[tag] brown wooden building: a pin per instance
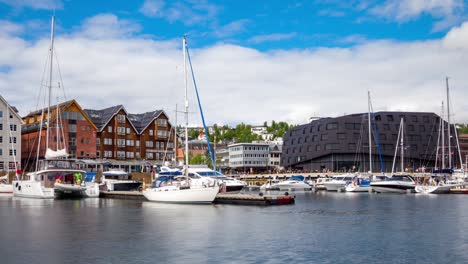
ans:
(124, 136)
(77, 133)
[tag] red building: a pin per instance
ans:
(72, 130)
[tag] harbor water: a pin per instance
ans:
(320, 228)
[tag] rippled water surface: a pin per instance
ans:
(320, 228)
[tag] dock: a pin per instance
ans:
(127, 195)
(459, 191)
(250, 199)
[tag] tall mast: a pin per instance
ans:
(443, 136)
(402, 146)
(449, 142)
(184, 43)
(50, 78)
(175, 136)
(370, 134)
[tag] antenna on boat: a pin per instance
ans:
(370, 134)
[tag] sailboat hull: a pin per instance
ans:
(436, 189)
(174, 194)
(32, 189)
(6, 188)
(64, 190)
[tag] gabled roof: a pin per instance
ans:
(15, 111)
(62, 106)
(142, 121)
(102, 117)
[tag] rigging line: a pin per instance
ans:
(60, 75)
(42, 81)
(213, 161)
(377, 141)
(165, 149)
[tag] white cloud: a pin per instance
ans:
(35, 4)
(187, 12)
(231, 28)
(272, 37)
(447, 11)
(107, 26)
(240, 84)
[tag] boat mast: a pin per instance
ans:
(448, 128)
(370, 134)
(396, 147)
(50, 78)
(175, 137)
(443, 136)
(186, 109)
(402, 147)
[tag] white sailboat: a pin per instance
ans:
(442, 180)
(182, 191)
(54, 176)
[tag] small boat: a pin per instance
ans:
(359, 184)
(295, 182)
(268, 186)
(338, 182)
(441, 181)
(231, 184)
(320, 183)
(118, 180)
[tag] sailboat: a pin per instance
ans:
(169, 189)
(54, 176)
(361, 182)
(398, 183)
(442, 180)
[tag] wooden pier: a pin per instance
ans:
(459, 191)
(127, 195)
(249, 199)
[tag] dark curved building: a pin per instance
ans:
(341, 143)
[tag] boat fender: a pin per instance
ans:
(260, 194)
(286, 193)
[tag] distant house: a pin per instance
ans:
(76, 132)
(10, 145)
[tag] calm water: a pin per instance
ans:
(322, 228)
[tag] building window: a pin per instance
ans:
(129, 142)
(121, 142)
(121, 118)
(386, 127)
(1, 139)
(120, 154)
(324, 137)
(2, 165)
(12, 152)
(130, 155)
(390, 118)
(425, 119)
(109, 129)
(151, 132)
(107, 154)
(317, 147)
(138, 143)
(1, 126)
(332, 126)
(162, 133)
(121, 130)
(341, 136)
(352, 146)
(149, 144)
(13, 127)
(149, 155)
(333, 146)
(162, 122)
(1, 114)
(128, 130)
(107, 141)
(422, 128)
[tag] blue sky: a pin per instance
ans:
(254, 60)
(260, 24)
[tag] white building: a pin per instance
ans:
(10, 148)
(249, 157)
(274, 156)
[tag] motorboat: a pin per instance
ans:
(231, 184)
(295, 182)
(440, 181)
(360, 183)
(320, 183)
(338, 182)
(394, 184)
(269, 185)
(118, 180)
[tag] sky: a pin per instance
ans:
(254, 61)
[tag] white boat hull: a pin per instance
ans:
(291, 186)
(66, 190)
(6, 188)
(358, 188)
(393, 187)
(32, 189)
(92, 190)
(435, 189)
(331, 186)
(173, 194)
